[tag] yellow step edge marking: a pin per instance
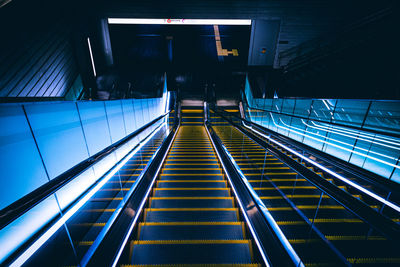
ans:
(188, 198)
(191, 209)
(191, 156)
(271, 173)
(373, 260)
(191, 188)
(192, 169)
(266, 168)
(295, 196)
(176, 242)
(284, 187)
(191, 174)
(191, 160)
(191, 181)
(186, 164)
(191, 117)
(106, 199)
(278, 180)
(191, 111)
(190, 223)
(197, 265)
(85, 243)
(338, 238)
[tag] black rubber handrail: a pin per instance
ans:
(382, 224)
(372, 178)
(19, 207)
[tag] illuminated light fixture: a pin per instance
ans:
(291, 128)
(91, 57)
(263, 208)
(338, 176)
(139, 211)
(68, 214)
(180, 21)
(360, 133)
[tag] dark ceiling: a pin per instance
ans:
(300, 21)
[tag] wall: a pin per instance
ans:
(39, 141)
(37, 51)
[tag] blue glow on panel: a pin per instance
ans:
(23, 228)
(115, 120)
(18, 156)
(94, 122)
(129, 116)
(137, 106)
(59, 135)
(71, 191)
(335, 151)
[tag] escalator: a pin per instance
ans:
(191, 216)
(320, 229)
(334, 169)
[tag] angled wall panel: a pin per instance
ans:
(21, 169)
(59, 134)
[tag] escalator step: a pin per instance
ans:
(191, 251)
(191, 183)
(191, 230)
(191, 177)
(191, 214)
(191, 202)
(191, 192)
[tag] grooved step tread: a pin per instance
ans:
(196, 265)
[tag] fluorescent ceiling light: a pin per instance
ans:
(91, 57)
(180, 21)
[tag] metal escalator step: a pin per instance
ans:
(191, 251)
(191, 214)
(191, 183)
(191, 230)
(208, 171)
(198, 177)
(194, 202)
(195, 265)
(192, 192)
(190, 174)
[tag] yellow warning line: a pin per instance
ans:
(189, 198)
(192, 209)
(190, 223)
(172, 242)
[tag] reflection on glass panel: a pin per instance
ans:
(384, 115)
(303, 107)
(339, 146)
(288, 106)
(322, 109)
(57, 251)
(350, 112)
